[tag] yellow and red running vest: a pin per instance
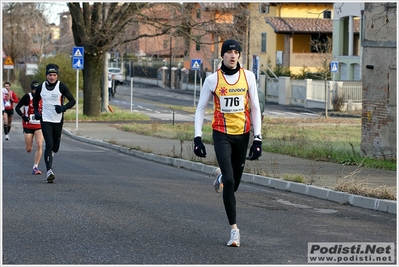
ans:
(231, 114)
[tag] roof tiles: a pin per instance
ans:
(303, 25)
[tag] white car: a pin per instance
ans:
(117, 72)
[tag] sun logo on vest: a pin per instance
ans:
(223, 91)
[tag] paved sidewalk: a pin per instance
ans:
(320, 177)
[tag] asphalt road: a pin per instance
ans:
(111, 208)
(154, 101)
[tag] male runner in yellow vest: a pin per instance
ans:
(234, 92)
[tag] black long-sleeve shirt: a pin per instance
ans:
(25, 100)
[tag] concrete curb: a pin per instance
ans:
(309, 190)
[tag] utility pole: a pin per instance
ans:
(105, 94)
(170, 63)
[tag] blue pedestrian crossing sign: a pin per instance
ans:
(77, 58)
(334, 67)
(77, 63)
(196, 64)
(77, 51)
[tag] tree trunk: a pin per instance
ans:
(92, 85)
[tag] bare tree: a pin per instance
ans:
(323, 49)
(96, 28)
(101, 27)
(14, 37)
(17, 32)
(26, 32)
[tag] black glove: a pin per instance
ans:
(26, 119)
(59, 109)
(38, 116)
(199, 148)
(255, 151)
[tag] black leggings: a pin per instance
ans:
(230, 152)
(7, 124)
(52, 137)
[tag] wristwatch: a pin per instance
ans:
(259, 136)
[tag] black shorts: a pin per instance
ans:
(30, 131)
(10, 112)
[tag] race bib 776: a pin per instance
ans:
(232, 104)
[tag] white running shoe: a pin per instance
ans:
(234, 238)
(50, 176)
(7, 137)
(218, 182)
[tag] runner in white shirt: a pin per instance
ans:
(52, 93)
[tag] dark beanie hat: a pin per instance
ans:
(34, 85)
(52, 68)
(230, 45)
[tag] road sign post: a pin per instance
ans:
(77, 64)
(8, 65)
(77, 58)
(131, 94)
(255, 66)
(195, 65)
(334, 67)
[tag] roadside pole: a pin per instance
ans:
(195, 85)
(131, 94)
(195, 65)
(77, 64)
(334, 68)
(105, 87)
(77, 99)
(8, 64)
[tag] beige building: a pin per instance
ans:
(281, 34)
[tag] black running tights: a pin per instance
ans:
(52, 137)
(230, 152)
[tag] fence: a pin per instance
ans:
(154, 68)
(312, 93)
(306, 93)
(351, 91)
(271, 94)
